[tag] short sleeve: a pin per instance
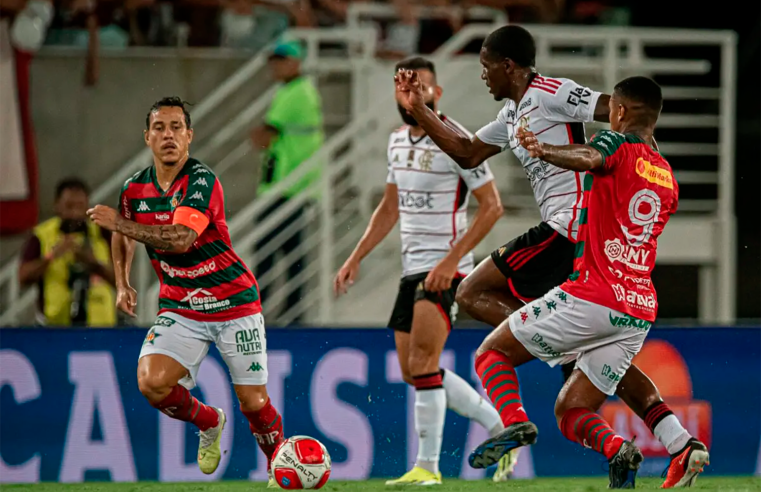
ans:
(124, 206)
(495, 133)
(570, 102)
(198, 195)
(476, 177)
(607, 142)
(390, 177)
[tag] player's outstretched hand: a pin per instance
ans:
(408, 84)
(345, 277)
(440, 278)
(126, 300)
(105, 217)
(529, 142)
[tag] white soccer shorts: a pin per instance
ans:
(560, 328)
(241, 342)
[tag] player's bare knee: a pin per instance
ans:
(251, 398)
(154, 387)
(422, 361)
(466, 296)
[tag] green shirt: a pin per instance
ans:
(296, 113)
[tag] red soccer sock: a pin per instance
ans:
(267, 427)
(181, 405)
(590, 430)
(501, 383)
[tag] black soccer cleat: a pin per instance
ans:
(492, 450)
(624, 466)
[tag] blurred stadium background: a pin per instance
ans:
(77, 78)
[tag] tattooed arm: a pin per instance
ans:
(176, 238)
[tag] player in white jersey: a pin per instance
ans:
(429, 194)
(527, 267)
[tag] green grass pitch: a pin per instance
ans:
(723, 484)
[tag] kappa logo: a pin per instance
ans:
(196, 196)
(143, 207)
(202, 182)
(255, 367)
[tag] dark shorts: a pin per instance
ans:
(535, 262)
(411, 290)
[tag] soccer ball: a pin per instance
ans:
(301, 462)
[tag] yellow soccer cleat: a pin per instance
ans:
(417, 476)
(209, 452)
(506, 466)
(272, 484)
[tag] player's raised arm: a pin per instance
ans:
(466, 152)
(575, 157)
(383, 220)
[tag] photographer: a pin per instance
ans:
(69, 259)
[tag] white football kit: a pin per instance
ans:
(433, 198)
(555, 110)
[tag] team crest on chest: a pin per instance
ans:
(176, 199)
(426, 160)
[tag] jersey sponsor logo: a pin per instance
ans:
(608, 373)
(641, 282)
(546, 347)
(125, 207)
(628, 320)
(201, 182)
(579, 95)
(196, 196)
(478, 172)
(399, 140)
(164, 321)
(536, 172)
(511, 114)
(414, 200)
(188, 272)
(143, 207)
(632, 298)
(526, 104)
(150, 338)
(654, 174)
(176, 198)
(162, 217)
(203, 300)
(633, 257)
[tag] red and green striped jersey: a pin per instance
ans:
(627, 203)
(209, 282)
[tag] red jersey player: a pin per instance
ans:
(601, 315)
(176, 208)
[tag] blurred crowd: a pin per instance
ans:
(251, 24)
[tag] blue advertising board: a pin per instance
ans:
(71, 410)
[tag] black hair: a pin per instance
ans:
(416, 63)
(71, 184)
(169, 102)
(642, 90)
(513, 42)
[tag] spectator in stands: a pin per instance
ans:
(69, 258)
(253, 24)
(291, 133)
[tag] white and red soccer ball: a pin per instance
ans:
(301, 462)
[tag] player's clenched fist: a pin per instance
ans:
(345, 277)
(126, 300)
(105, 217)
(529, 142)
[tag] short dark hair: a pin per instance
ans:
(642, 90)
(416, 63)
(513, 42)
(71, 184)
(169, 102)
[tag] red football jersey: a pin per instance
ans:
(627, 203)
(209, 282)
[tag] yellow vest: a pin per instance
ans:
(101, 300)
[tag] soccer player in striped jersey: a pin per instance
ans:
(429, 194)
(208, 295)
(555, 110)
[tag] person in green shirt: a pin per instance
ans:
(291, 133)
